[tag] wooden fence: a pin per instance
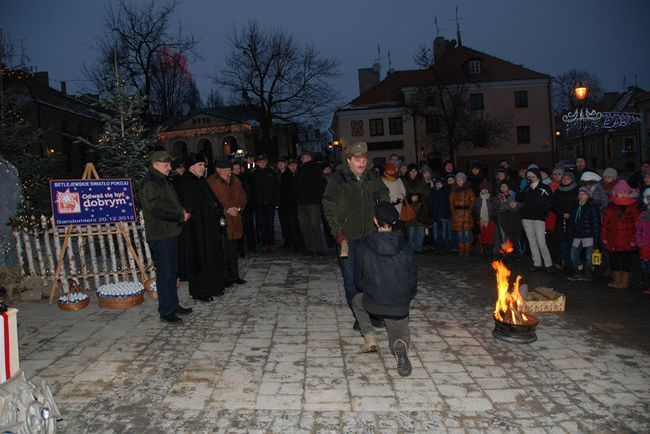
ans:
(97, 257)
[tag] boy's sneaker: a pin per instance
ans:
(401, 354)
(576, 276)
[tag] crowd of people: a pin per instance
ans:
(569, 218)
(200, 220)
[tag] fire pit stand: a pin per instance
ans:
(516, 334)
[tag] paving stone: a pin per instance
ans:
(279, 355)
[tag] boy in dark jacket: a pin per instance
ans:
(438, 204)
(386, 272)
(585, 224)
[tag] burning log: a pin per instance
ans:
(511, 323)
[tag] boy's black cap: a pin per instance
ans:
(386, 213)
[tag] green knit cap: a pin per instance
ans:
(356, 148)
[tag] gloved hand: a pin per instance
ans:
(340, 237)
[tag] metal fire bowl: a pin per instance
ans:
(516, 334)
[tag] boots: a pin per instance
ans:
(468, 247)
(371, 344)
(461, 249)
(588, 275)
(625, 280)
(400, 350)
(616, 280)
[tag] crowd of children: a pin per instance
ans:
(564, 217)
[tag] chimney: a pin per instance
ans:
(439, 48)
(368, 77)
(43, 77)
(64, 88)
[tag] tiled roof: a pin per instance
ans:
(452, 68)
(41, 93)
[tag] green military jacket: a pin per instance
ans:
(163, 213)
(349, 202)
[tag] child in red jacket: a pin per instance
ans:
(618, 233)
(643, 240)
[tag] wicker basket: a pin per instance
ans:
(74, 288)
(74, 306)
(120, 302)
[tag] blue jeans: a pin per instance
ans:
(347, 270)
(464, 237)
(415, 238)
(441, 231)
(165, 257)
(575, 255)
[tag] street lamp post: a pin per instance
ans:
(581, 114)
(580, 93)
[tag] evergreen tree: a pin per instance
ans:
(121, 151)
(20, 144)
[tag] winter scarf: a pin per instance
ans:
(569, 187)
(484, 214)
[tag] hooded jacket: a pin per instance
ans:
(386, 273)
(349, 203)
(618, 230)
(585, 220)
(536, 202)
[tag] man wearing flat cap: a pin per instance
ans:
(348, 203)
(164, 217)
(230, 193)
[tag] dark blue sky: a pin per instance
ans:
(609, 38)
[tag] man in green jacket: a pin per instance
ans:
(164, 217)
(348, 204)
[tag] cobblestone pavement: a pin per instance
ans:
(279, 355)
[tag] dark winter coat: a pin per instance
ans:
(508, 219)
(385, 271)
(349, 203)
(475, 181)
(460, 205)
(266, 185)
(438, 203)
(200, 251)
(587, 223)
(618, 228)
(535, 203)
(309, 184)
(162, 211)
(287, 192)
(417, 187)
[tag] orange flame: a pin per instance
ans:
(510, 303)
(506, 248)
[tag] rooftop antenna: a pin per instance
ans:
(624, 83)
(458, 20)
(377, 65)
(390, 65)
(23, 56)
(435, 20)
(636, 82)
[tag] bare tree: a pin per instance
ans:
(214, 99)
(277, 80)
(445, 96)
(172, 86)
(564, 85)
(135, 35)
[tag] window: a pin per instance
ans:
(376, 127)
(432, 123)
(523, 135)
(356, 127)
(474, 66)
(521, 98)
(476, 101)
(395, 126)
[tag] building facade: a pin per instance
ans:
(221, 132)
(389, 114)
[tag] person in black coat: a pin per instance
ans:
(536, 203)
(309, 186)
(288, 202)
(585, 221)
(476, 176)
(564, 200)
(200, 244)
(438, 204)
(386, 272)
(266, 185)
(248, 216)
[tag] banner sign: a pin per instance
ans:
(91, 201)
